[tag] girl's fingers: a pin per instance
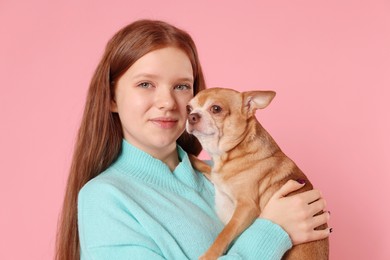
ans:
(320, 219)
(317, 206)
(310, 196)
(320, 234)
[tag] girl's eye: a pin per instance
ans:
(145, 85)
(182, 87)
(216, 109)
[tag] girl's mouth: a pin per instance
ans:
(164, 122)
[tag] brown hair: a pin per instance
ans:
(100, 135)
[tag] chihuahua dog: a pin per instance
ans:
(248, 164)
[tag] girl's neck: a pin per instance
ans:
(171, 159)
(167, 155)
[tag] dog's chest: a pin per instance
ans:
(224, 205)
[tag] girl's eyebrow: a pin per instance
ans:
(186, 79)
(153, 76)
(145, 75)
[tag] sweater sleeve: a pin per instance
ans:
(262, 240)
(107, 230)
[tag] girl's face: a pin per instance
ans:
(151, 98)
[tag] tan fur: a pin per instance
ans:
(249, 166)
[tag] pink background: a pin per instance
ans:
(329, 62)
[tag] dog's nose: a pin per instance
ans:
(193, 118)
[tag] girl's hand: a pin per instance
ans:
(295, 214)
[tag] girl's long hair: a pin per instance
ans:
(100, 135)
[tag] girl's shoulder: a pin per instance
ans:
(107, 183)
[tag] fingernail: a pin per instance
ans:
(301, 181)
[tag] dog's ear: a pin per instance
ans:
(253, 100)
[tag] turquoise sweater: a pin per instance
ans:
(139, 209)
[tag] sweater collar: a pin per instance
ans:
(139, 164)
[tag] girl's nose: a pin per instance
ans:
(165, 100)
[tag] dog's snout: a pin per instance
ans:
(193, 118)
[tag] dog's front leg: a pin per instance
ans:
(245, 213)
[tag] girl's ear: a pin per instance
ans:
(253, 100)
(114, 106)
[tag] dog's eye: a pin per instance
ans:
(189, 109)
(216, 109)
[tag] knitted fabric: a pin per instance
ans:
(139, 209)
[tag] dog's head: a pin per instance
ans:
(219, 117)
